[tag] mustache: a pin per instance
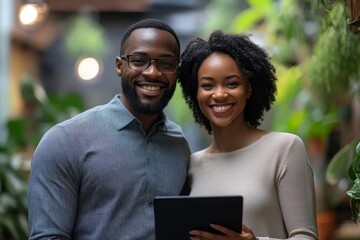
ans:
(152, 82)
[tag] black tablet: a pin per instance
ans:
(176, 216)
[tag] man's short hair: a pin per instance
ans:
(148, 23)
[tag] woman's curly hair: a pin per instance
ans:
(252, 60)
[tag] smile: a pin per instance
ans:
(150, 88)
(221, 108)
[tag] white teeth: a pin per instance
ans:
(221, 108)
(150, 88)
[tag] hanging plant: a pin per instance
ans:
(85, 36)
(335, 64)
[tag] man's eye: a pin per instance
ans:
(165, 64)
(138, 61)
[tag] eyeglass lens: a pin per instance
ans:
(141, 63)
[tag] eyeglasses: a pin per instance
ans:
(141, 63)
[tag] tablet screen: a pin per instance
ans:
(176, 216)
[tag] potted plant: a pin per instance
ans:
(345, 165)
(354, 192)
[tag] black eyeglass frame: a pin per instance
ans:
(155, 59)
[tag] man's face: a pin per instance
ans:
(148, 91)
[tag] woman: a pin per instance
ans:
(229, 82)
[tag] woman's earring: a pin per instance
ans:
(248, 95)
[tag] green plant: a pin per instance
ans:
(13, 194)
(345, 165)
(354, 192)
(23, 135)
(335, 65)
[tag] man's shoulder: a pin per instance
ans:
(90, 116)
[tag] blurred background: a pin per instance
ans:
(57, 58)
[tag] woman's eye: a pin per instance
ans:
(206, 86)
(232, 84)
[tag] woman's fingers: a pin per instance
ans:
(202, 235)
(224, 230)
(247, 234)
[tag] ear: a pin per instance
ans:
(118, 63)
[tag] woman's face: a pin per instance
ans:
(222, 90)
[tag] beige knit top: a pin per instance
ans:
(275, 178)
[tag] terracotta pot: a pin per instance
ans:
(326, 222)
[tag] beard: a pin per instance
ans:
(147, 109)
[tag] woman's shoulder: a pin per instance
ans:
(283, 138)
(286, 136)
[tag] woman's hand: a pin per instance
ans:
(246, 234)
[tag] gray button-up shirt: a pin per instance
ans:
(95, 176)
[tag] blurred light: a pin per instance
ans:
(32, 14)
(88, 68)
(28, 14)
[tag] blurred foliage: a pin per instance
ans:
(335, 63)
(254, 14)
(296, 110)
(13, 197)
(85, 36)
(23, 134)
(220, 14)
(181, 112)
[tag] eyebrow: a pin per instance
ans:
(148, 55)
(226, 78)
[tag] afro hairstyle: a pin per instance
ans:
(252, 60)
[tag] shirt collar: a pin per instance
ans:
(124, 117)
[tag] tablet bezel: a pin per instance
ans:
(176, 216)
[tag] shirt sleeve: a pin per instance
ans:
(297, 193)
(53, 186)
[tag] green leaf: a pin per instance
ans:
(246, 20)
(340, 163)
(261, 4)
(354, 191)
(354, 170)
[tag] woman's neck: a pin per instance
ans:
(227, 139)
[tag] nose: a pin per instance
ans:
(220, 94)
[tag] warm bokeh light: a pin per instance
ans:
(88, 68)
(32, 14)
(28, 14)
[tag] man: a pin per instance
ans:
(95, 176)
